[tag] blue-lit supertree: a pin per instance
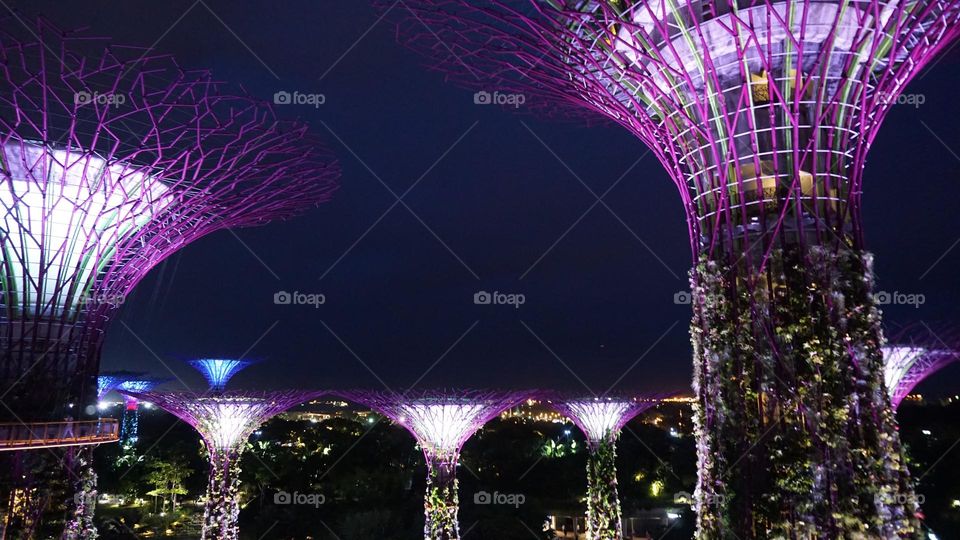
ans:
(131, 413)
(218, 371)
(112, 380)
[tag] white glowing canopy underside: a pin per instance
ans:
(226, 423)
(441, 428)
(65, 213)
(897, 361)
(599, 419)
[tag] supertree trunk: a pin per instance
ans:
(81, 508)
(796, 437)
(222, 507)
(603, 501)
(441, 502)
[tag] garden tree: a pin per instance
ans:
(355, 466)
(167, 478)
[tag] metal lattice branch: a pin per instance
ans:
(219, 371)
(906, 366)
(112, 159)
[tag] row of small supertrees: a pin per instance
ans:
(441, 422)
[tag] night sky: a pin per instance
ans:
(497, 201)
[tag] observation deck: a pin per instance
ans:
(17, 436)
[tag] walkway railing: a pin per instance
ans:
(17, 436)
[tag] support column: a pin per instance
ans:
(796, 437)
(81, 509)
(222, 507)
(603, 501)
(441, 502)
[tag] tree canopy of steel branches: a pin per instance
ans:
(601, 418)
(440, 420)
(761, 112)
(113, 158)
(219, 371)
(913, 354)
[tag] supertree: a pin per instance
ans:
(218, 371)
(441, 421)
(111, 380)
(112, 159)
(225, 422)
(905, 366)
(762, 112)
(601, 419)
(130, 424)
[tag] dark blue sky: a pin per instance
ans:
(495, 211)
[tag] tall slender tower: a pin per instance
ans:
(441, 422)
(906, 366)
(601, 419)
(112, 158)
(762, 112)
(130, 423)
(219, 371)
(225, 422)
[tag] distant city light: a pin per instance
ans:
(925, 431)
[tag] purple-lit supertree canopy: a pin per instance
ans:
(224, 422)
(905, 366)
(601, 419)
(218, 371)
(441, 422)
(762, 113)
(113, 158)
